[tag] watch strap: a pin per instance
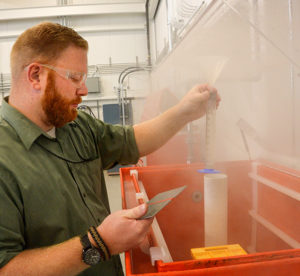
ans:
(85, 242)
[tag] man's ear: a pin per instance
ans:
(34, 76)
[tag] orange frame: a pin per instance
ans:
(274, 263)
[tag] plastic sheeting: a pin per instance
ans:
(260, 83)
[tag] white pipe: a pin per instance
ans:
(215, 209)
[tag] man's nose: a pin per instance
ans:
(82, 91)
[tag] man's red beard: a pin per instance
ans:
(58, 109)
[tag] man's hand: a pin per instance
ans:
(193, 104)
(122, 231)
(152, 134)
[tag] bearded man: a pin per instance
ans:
(54, 212)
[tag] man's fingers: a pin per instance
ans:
(137, 212)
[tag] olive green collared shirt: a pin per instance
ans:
(52, 189)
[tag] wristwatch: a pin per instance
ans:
(90, 254)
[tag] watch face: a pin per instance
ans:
(91, 256)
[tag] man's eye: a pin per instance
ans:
(75, 78)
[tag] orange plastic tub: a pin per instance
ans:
(263, 217)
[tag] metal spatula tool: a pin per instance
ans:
(160, 201)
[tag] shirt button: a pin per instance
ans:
(84, 194)
(99, 220)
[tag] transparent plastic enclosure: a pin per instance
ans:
(254, 137)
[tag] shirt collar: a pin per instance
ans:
(25, 128)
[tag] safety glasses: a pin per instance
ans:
(76, 78)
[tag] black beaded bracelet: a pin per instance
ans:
(99, 241)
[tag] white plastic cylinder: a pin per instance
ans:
(215, 209)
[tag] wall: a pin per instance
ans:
(115, 30)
